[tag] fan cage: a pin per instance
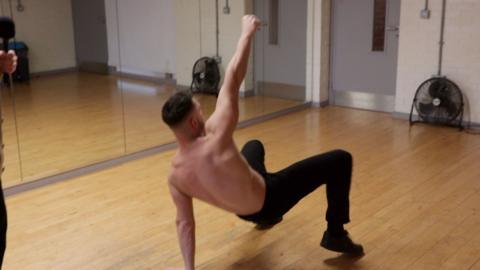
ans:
(205, 76)
(438, 101)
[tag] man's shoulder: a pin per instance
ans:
(173, 182)
(179, 178)
(216, 141)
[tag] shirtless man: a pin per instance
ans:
(209, 167)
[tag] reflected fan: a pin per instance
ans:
(205, 76)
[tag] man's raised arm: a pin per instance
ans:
(225, 117)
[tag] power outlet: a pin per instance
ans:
(425, 14)
(226, 10)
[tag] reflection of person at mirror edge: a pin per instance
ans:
(209, 167)
(8, 64)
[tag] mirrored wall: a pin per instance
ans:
(93, 75)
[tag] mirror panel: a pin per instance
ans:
(69, 110)
(94, 75)
(12, 174)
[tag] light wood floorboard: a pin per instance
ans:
(415, 204)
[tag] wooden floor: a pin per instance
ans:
(415, 204)
(75, 119)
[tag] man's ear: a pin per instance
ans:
(193, 122)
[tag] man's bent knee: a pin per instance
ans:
(344, 156)
(254, 144)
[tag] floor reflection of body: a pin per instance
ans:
(74, 119)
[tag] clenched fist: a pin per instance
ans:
(250, 24)
(8, 62)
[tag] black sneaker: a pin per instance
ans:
(261, 226)
(341, 244)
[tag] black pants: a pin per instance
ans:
(288, 186)
(3, 225)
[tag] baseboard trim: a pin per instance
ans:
(281, 90)
(94, 67)
(166, 78)
(321, 104)
(247, 93)
(406, 116)
(273, 115)
(53, 72)
(364, 100)
(400, 115)
(243, 94)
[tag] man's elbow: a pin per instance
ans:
(185, 223)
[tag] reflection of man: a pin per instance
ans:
(8, 64)
(209, 167)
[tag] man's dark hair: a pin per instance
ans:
(177, 108)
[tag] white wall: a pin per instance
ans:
(195, 21)
(47, 28)
(418, 52)
(147, 36)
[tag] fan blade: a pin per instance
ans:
(450, 107)
(200, 67)
(436, 87)
(426, 108)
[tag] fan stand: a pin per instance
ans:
(459, 125)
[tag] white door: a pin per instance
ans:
(281, 48)
(364, 53)
(90, 35)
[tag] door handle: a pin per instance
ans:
(392, 28)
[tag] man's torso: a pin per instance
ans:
(218, 174)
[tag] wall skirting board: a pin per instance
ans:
(281, 90)
(321, 104)
(406, 116)
(364, 100)
(94, 67)
(164, 78)
(247, 93)
(53, 72)
(243, 94)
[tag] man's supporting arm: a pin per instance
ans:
(225, 117)
(185, 226)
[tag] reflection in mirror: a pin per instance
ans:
(12, 174)
(144, 127)
(280, 50)
(97, 73)
(141, 39)
(68, 117)
(66, 121)
(196, 37)
(153, 46)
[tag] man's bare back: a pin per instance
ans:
(213, 171)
